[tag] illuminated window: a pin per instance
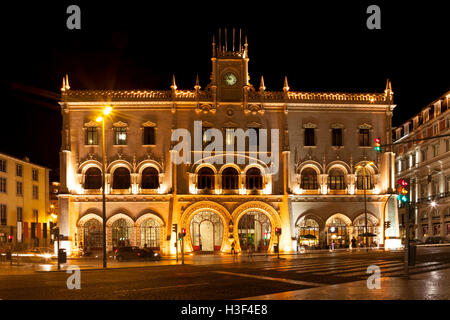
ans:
(121, 233)
(364, 181)
(91, 136)
(93, 234)
(120, 136)
(364, 137)
(150, 234)
(336, 179)
(309, 179)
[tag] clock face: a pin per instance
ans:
(230, 79)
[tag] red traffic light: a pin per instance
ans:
(183, 231)
(377, 140)
(277, 231)
(10, 237)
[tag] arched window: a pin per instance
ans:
(151, 234)
(121, 178)
(336, 179)
(93, 232)
(309, 179)
(364, 181)
(150, 178)
(230, 179)
(253, 179)
(93, 178)
(205, 178)
(308, 232)
(121, 233)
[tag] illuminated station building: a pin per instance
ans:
(314, 181)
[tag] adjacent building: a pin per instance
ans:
(24, 203)
(227, 163)
(423, 156)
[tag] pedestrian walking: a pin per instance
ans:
(353, 243)
(233, 251)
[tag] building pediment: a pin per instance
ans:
(120, 124)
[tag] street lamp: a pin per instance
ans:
(106, 111)
(370, 163)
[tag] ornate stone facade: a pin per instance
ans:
(320, 179)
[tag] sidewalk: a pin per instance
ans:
(434, 285)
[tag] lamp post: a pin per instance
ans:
(101, 119)
(365, 202)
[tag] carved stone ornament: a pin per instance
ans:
(310, 125)
(120, 124)
(365, 126)
(254, 125)
(230, 124)
(149, 124)
(91, 124)
(337, 126)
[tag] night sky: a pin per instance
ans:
(139, 45)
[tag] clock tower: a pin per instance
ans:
(229, 77)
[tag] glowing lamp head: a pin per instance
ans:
(107, 110)
(99, 119)
(433, 204)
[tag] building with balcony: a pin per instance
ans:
(24, 203)
(229, 163)
(423, 156)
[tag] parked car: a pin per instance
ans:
(135, 253)
(435, 239)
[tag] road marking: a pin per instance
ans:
(303, 283)
(335, 267)
(316, 264)
(388, 270)
(357, 267)
(166, 287)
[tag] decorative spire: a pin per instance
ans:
(63, 88)
(67, 82)
(286, 86)
(261, 86)
(245, 48)
(174, 85)
(388, 90)
(213, 47)
(197, 84)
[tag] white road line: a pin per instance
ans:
(359, 267)
(316, 264)
(414, 270)
(303, 283)
(167, 287)
(332, 267)
(388, 270)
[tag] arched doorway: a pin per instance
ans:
(337, 232)
(254, 230)
(151, 234)
(206, 229)
(308, 232)
(93, 235)
(121, 233)
(359, 230)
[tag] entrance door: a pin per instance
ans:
(206, 236)
(206, 231)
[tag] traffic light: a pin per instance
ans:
(387, 224)
(175, 228)
(403, 190)
(377, 144)
(277, 231)
(10, 237)
(183, 232)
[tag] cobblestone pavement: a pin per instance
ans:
(218, 277)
